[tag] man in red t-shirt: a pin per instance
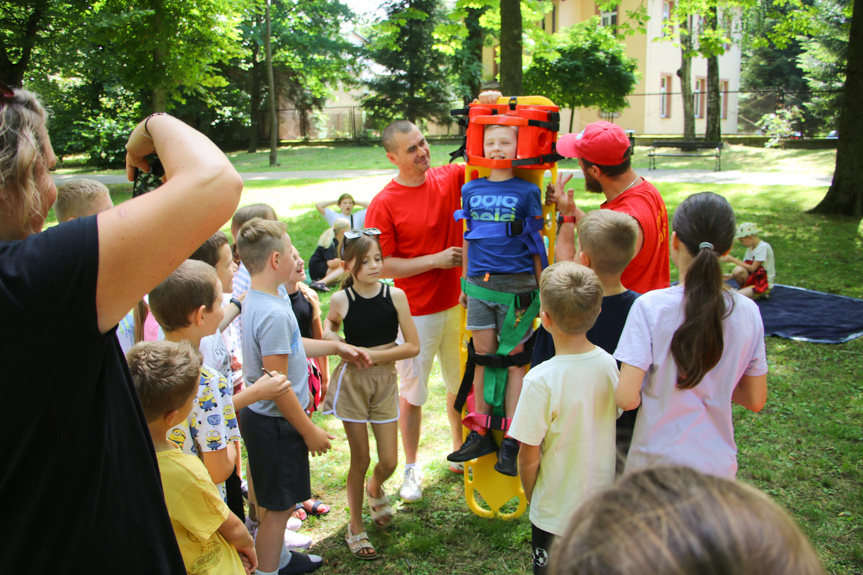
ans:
(604, 153)
(421, 244)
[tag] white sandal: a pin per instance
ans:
(379, 508)
(359, 542)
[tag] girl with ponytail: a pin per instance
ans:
(689, 351)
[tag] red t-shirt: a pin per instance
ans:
(649, 269)
(419, 221)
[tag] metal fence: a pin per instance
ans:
(354, 123)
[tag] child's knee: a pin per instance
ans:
(387, 467)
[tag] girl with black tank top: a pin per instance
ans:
(372, 313)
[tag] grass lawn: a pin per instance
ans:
(805, 448)
(373, 157)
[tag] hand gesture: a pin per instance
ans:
(449, 258)
(565, 199)
(318, 441)
(272, 386)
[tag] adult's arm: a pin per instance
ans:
(397, 268)
(143, 240)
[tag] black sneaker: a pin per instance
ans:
(507, 457)
(475, 445)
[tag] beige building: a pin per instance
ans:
(655, 106)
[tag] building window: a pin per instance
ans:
(700, 97)
(723, 98)
(667, 9)
(609, 17)
(665, 96)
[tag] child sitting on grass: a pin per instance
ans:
(497, 267)
(211, 538)
(754, 275)
(565, 416)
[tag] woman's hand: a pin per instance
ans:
(139, 145)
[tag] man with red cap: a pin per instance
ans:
(604, 153)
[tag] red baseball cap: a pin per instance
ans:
(600, 143)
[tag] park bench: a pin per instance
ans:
(687, 148)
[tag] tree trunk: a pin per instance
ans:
(159, 94)
(274, 120)
(12, 75)
(473, 44)
(845, 196)
(685, 75)
(255, 93)
(713, 129)
(510, 48)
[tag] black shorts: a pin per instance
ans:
(278, 460)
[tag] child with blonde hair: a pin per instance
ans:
(81, 198)
(325, 266)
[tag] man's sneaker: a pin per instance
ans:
(412, 489)
(475, 445)
(295, 540)
(457, 468)
(507, 457)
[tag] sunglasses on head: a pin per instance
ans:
(354, 234)
(6, 92)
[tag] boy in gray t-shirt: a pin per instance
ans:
(278, 434)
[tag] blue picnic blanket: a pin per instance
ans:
(806, 315)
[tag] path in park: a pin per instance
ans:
(682, 176)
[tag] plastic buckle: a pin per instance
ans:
(523, 300)
(515, 228)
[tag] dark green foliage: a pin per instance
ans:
(589, 68)
(412, 82)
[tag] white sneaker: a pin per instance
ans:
(412, 490)
(297, 540)
(294, 524)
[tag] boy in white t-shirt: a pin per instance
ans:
(565, 418)
(756, 272)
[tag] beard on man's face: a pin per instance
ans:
(591, 184)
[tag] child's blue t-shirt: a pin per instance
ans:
(510, 200)
(270, 328)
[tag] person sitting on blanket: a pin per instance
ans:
(755, 273)
(505, 265)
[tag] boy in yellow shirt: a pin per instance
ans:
(212, 539)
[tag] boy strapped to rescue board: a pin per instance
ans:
(503, 249)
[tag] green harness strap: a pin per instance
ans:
(512, 333)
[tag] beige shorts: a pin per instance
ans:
(363, 395)
(439, 336)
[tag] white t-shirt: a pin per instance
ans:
(567, 408)
(763, 252)
(357, 218)
(689, 427)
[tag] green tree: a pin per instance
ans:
(413, 82)
(170, 48)
(588, 68)
(823, 58)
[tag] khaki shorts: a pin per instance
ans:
(439, 336)
(363, 395)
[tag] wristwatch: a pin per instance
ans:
(562, 219)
